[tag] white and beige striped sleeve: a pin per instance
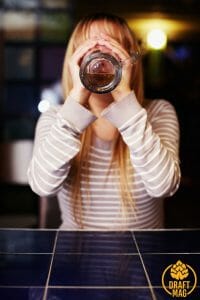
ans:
(57, 141)
(153, 140)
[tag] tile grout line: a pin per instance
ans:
(81, 287)
(145, 271)
(50, 268)
(100, 253)
(100, 287)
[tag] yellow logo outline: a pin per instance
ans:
(190, 268)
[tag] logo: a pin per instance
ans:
(179, 280)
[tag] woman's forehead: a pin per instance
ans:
(101, 26)
(95, 28)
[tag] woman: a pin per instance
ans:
(110, 159)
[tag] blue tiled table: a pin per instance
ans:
(55, 265)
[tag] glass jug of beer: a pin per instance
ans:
(100, 72)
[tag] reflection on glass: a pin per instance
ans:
(19, 25)
(55, 27)
(95, 242)
(98, 270)
(97, 259)
(19, 63)
(51, 60)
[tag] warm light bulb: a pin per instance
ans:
(156, 39)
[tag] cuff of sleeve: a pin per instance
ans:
(77, 115)
(119, 112)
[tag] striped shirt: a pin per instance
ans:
(152, 136)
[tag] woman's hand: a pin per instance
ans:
(124, 86)
(78, 91)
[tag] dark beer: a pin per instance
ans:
(99, 79)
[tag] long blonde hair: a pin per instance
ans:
(120, 153)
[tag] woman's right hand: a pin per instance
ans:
(78, 91)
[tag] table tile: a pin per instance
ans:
(26, 241)
(99, 294)
(93, 265)
(168, 241)
(97, 270)
(30, 293)
(95, 242)
(23, 270)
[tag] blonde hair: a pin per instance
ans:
(120, 152)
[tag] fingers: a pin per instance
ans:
(98, 43)
(82, 50)
(115, 46)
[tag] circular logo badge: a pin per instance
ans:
(179, 279)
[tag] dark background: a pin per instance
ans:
(31, 56)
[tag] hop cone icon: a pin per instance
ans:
(179, 271)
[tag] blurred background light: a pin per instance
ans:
(50, 95)
(174, 28)
(43, 105)
(156, 39)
